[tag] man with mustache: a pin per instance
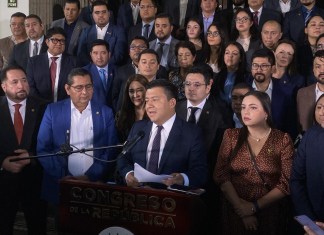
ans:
(307, 96)
(20, 181)
(283, 104)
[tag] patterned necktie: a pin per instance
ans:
(155, 152)
(35, 51)
(256, 18)
(308, 15)
(160, 50)
(192, 117)
(102, 74)
(146, 31)
(53, 72)
(18, 123)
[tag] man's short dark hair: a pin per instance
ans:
(164, 15)
(55, 30)
(99, 42)
(4, 72)
(319, 54)
(33, 16)
(264, 53)
(77, 72)
(169, 88)
(242, 85)
(99, 3)
(149, 51)
(154, 3)
(18, 14)
(141, 38)
(203, 69)
(77, 2)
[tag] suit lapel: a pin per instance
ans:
(182, 111)
(97, 125)
(142, 148)
(109, 33)
(7, 117)
(29, 124)
(174, 136)
(205, 113)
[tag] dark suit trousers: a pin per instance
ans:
(16, 195)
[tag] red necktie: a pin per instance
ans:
(18, 123)
(53, 71)
(256, 18)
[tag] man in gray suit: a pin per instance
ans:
(164, 44)
(307, 96)
(72, 25)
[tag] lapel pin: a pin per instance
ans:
(33, 110)
(97, 113)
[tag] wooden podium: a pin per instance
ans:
(89, 208)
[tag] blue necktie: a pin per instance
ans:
(102, 74)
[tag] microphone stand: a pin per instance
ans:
(66, 152)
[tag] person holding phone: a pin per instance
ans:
(307, 179)
(309, 231)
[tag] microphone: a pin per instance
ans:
(130, 144)
(66, 148)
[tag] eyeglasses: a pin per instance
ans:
(80, 88)
(146, 7)
(55, 41)
(133, 47)
(212, 34)
(242, 20)
(262, 66)
(320, 47)
(194, 84)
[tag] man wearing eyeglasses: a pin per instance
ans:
(75, 123)
(33, 46)
(47, 73)
(19, 35)
(213, 117)
(283, 96)
(148, 10)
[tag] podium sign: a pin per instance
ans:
(89, 208)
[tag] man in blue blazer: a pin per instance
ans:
(102, 71)
(103, 29)
(78, 123)
(44, 83)
(180, 152)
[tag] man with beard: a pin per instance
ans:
(164, 45)
(283, 102)
(295, 21)
(20, 181)
(307, 96)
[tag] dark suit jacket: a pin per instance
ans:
(101, 96)
(116, 38)
(184, 152)
(20, 53)
(80, 25)
(172, 7)
(294, 25)
(306, 98)
(214, 119)
(52, 134)
(28, 181)
(274, 5)
(137, 31)
(268, 14)
(125, 17)
(39, 78)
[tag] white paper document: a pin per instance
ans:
(144, 176)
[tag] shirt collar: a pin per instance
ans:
(167, 125)
(50, 55)
(200, 105)
(11, 103)
(167, 41)
(74, 109)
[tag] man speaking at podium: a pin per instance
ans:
(170, 145)
(77, 123)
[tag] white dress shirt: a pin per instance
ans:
(268, 91)
(31, 46)
(22, 109)
(101, 32)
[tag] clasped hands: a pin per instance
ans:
(244, 210)
(16, 167)
(176, 178)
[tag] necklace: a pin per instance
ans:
(258, 139)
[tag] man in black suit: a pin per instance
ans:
(20, 181)
(47, 73)
(33, 46)
(294, 24)
(148, 10)
(213, 117)
(208, 13)
(128, 14)
(262, 14)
